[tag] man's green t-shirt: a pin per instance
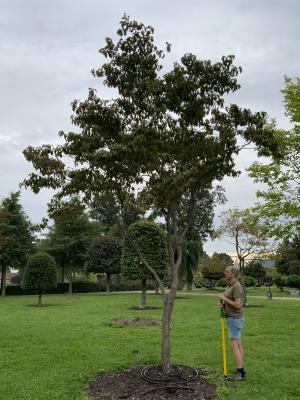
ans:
(232, 292)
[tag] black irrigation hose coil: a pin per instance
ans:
(174, 381)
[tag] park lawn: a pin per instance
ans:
(52, 352)
(251, 291)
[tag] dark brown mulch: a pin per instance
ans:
(144, 309)
(129, 385)
(136, 321)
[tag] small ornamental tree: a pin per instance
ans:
(40, 274)
(169, 135)
(104, 256)
(213, 270)
(151, 240)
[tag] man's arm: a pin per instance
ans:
(236, 303)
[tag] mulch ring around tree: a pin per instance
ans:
(146, 383)
(136, 321)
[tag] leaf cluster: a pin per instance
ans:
(16, 238)
(170, 134)
(40, 273)
(151, 240)
(104, 256)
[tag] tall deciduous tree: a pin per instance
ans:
(107, 210)
(242, 229)
(151, 241)
(191, 254)
(16, 238)
(170, 136)
(288, 257)
(255, 269)
(223, 258)
(213, 270)
(279, 204)
(104, 256)
(69, 238)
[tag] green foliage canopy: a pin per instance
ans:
(151, 240)
(40, 273)
(279, 205)
(242, 229)
(288, 257)
(16, 238)
(213, 269)
(104, 256)
(255, 269)
(70, 236)
(171, 135)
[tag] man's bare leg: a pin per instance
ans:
(237, 352)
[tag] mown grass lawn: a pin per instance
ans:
(52, 352)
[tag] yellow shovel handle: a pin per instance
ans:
(224, 348)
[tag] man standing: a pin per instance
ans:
(232, 300)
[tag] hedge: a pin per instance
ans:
(78, 287)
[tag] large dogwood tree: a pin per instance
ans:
(160, 141)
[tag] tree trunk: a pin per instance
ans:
(3, 280)
(62, 274)
(71, 283)
(118, 280)
(40, 299)
(142, 305)
(108, 283)
(189, 286)
(166, 320)
(242, 264)
(245, 301)
(156, 287)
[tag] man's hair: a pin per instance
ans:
(232, 268)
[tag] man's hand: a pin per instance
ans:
(222, 296)
(236, 303)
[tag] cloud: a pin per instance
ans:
(48, 49)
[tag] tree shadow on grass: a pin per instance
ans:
(144, 309)
(42, 305)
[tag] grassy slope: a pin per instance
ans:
(52, 352)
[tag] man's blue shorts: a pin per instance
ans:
(235, 326)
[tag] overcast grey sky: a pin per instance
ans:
(49, 47)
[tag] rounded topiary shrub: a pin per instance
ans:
(40, 274)
(104, 256)
(151, 240)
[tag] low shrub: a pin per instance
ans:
(222, 282)
(249, 281)
(79, 287)
(280, 282)
(293, 281)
